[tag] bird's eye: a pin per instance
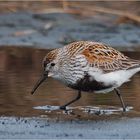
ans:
(52, 64)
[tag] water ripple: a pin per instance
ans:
(95, 110)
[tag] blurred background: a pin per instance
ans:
(29, 29)
(51, 24)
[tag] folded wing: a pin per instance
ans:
(108, 59)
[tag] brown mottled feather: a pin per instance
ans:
(102, 56)
(97, 54)
(107, 58)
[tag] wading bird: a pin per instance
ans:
(89, 66)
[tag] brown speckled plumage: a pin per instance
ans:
(98, 55)
(74, 61)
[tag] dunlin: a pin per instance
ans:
(89, 66)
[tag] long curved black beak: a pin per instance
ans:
(39, 82)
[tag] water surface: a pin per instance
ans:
(20, 68)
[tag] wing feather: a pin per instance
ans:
(107, 58)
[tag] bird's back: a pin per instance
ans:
(101, 56)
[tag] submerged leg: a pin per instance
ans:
(77, 98)
(121, 99)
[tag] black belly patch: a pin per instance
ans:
(86, 85)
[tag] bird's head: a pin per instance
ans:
(50, 68)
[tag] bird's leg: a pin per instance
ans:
(121, 99)
(77, 98)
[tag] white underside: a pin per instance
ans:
(116, 78)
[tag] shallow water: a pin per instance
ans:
(20, 68)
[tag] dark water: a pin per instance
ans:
(20, 68)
